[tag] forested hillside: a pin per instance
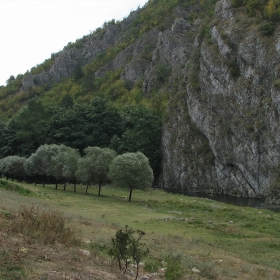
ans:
(192, 84)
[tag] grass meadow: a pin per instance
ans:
(188, 237)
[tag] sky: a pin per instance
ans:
(31, 30)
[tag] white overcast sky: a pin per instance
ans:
(31, 30)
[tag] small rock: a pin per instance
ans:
(230, 222)
(23, 250)
(146, 277)
(84, 252)
(129, 272)
(195, 270)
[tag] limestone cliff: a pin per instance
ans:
(230, 96)
(221, 131)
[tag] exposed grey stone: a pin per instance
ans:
(28, 82)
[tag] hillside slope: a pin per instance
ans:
(213, 75)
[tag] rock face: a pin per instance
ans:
(222, 130)
(221, 133)
(83, 52)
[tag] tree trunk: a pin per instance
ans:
(43, 181)
(130, 193)
(64, 186)
(56, 185)
(99, 189)
(87, 190)
(74, 187)
(137, 271)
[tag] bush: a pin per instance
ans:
(15, 188)
(151, 265)
(163, 72)
(174, 270)
(267, 28)
(127, 248)
(48, 227)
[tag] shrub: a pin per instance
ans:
(151, 265)
(46, 226)
(15, 188)
(174, 270)
(9, 268)
(126, 248)
(267, 28)
(163, 72)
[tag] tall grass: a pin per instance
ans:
(46, 226)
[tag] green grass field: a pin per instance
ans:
(221, 241)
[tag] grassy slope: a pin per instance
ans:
(222, 241)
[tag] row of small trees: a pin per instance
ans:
(96, 166)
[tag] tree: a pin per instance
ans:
(67, 101)
(71, 157)
(99, 163)
(40, 163)
(25, 132)
(83, 172)
(78, 72)
(13, 167)
(127, 247)
(142, 132)
(65, 165)
(131, 171)
(85, 125)
(12, 78)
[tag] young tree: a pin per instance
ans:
(131, 171)
(40, 163)
(127, 247)
(65, 165)
(93, 168)
(83, 172)
(13, 167)
(99, 163)
(70, 167)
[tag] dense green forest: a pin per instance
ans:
(130, 129)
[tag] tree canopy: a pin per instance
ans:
(40, 162)
(131, 171)
(100, 162)
(97, 124)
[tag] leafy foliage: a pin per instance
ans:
(40, 162)
(65, 164)
(142, 132)
(268, 9)
(25, 132)
(85, 125)
(15, 188)
(131, 171)
(174, 268)
(126, 248)
(99, 124)
(13, 167)
(94, 166)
